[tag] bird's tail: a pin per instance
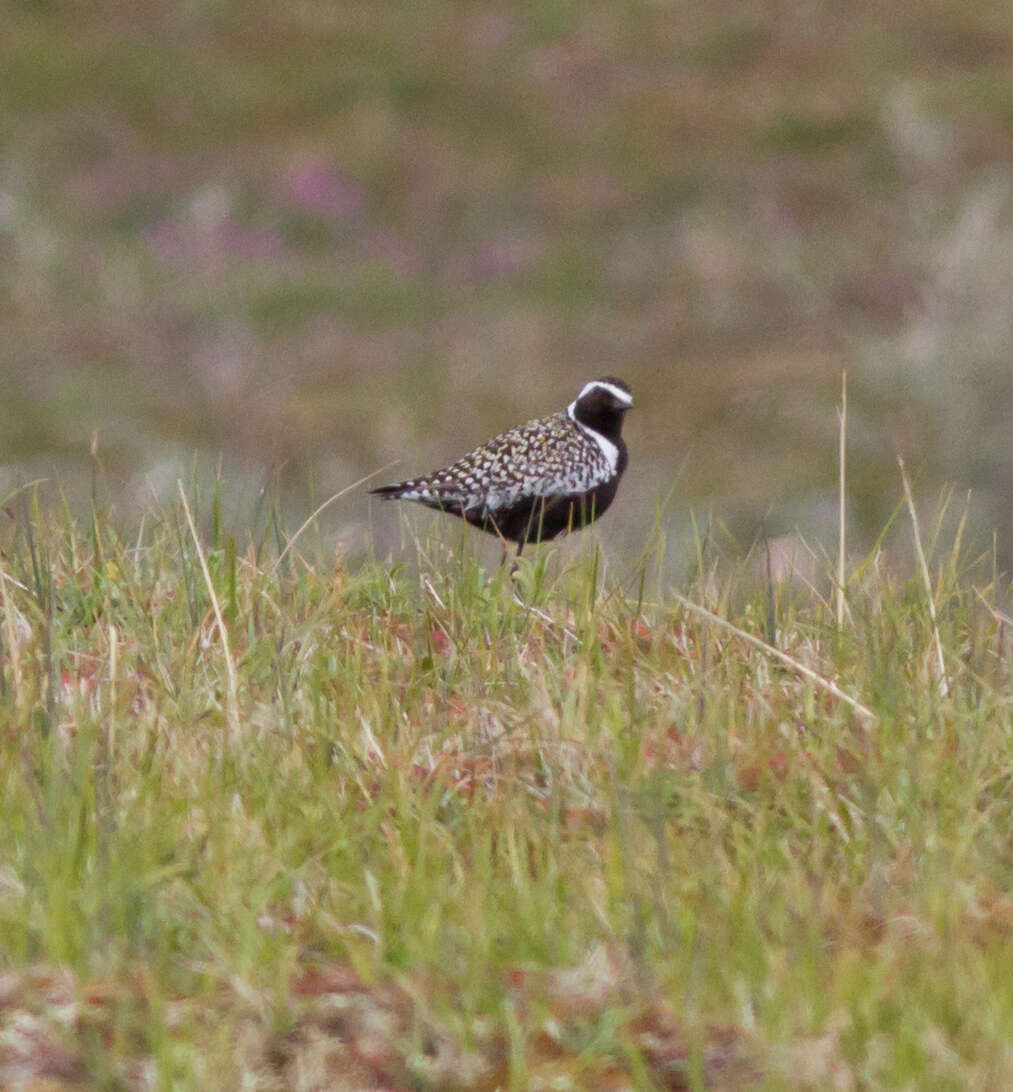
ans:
(408, 490)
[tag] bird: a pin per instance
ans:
(535, 481)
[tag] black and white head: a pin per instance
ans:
(600, 406)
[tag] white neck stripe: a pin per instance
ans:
(605, 445)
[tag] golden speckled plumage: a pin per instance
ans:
(532, 482)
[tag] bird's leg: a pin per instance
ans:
(513, 564)
(503, 541)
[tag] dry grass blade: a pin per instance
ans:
(944, 685)
(326, 504)
(10, 580)
(813, 676)
(232, 693)
(842, 509)
(11, 639)
(114, 656)
(997, 614)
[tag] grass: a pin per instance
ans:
(277, 821)
(271, 819)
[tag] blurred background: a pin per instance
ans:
(305, 240)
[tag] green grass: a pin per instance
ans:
(427, 826)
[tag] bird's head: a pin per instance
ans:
(601, 405)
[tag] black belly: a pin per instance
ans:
(542, 518)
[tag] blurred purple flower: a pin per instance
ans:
(504, 256)
(176, 241)
(251, 243)
(102, 186)
(386, 246)
(112, 183)
(316, 189)
(495, 258)
(166, 239)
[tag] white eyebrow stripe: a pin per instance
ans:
(617, 392)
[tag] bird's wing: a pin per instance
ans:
(506, 464)
(547, 457)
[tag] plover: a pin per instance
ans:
(535, 481)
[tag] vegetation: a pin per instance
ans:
(650, 812)
(275, 822)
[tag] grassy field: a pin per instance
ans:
(652, 813)
(275, 822)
